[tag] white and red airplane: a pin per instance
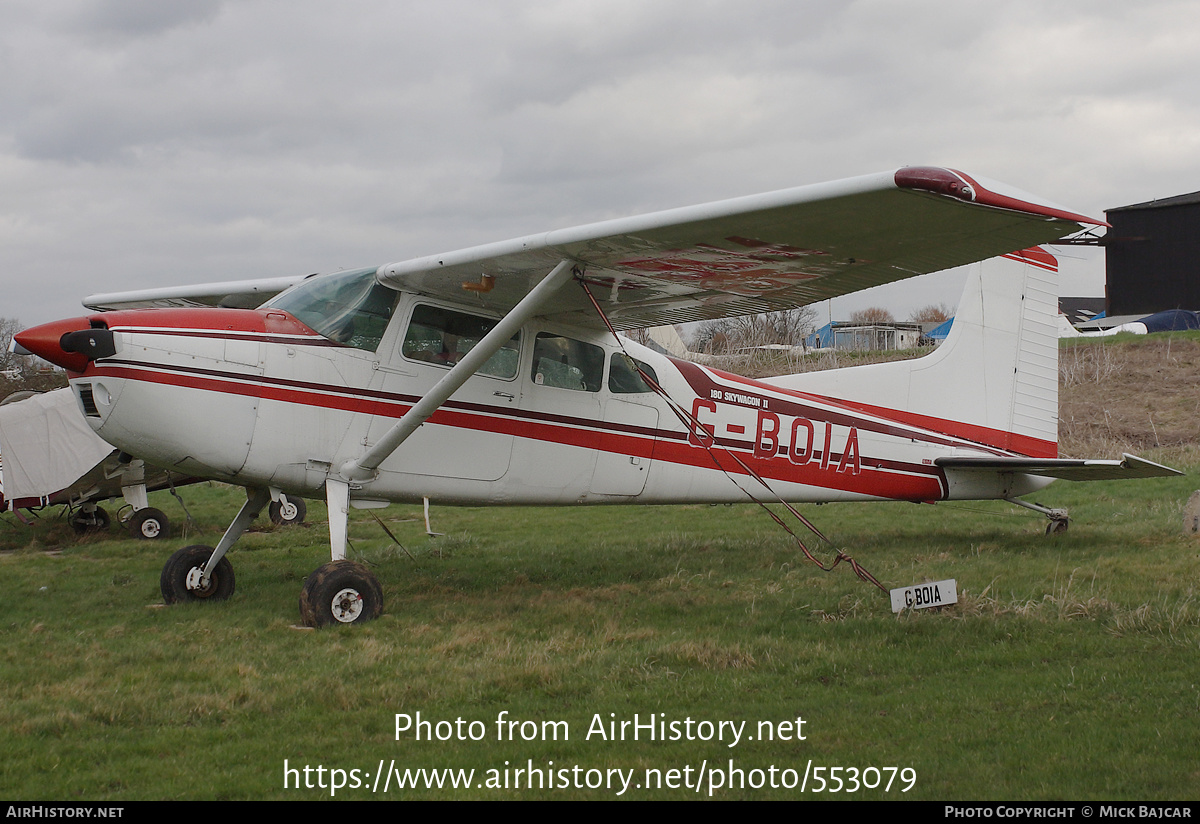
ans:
(490, 375)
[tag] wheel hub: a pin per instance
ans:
(347, 605)
(195, 582)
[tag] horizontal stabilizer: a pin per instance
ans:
(1066, 469)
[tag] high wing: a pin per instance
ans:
(237, 294)
(1066, 469)
(760, 253)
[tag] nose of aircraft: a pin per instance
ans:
(71, 343)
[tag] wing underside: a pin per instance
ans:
(754, 254)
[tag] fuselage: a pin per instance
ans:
(559, 415)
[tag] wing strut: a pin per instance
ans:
(337, 489)
(364, 468)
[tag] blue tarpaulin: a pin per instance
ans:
(1172, 320)
(939, 332)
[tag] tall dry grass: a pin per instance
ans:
(1129, 394)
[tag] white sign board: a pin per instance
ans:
(923, 596)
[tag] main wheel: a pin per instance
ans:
(84, 522)
(340, 592)
(287, 514)
(180, 581)
(149, 524)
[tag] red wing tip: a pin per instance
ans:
(956, 184)
(936, 180)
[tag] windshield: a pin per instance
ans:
(349, 307)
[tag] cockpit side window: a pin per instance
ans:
(442, 336)
(623, 377)
(349, 307)
(567, 363)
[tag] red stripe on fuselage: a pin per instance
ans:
(885, 479)
(896, 423)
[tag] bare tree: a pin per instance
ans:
(788, 327)
(794, 325)
(23, 372)
(933, 313)
(641, 336)
(8, 328)
(871, 315)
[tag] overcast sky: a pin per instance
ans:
(147, 143)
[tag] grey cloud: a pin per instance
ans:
(138, 18)
(172, 142)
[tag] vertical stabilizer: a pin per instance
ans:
(995, 378)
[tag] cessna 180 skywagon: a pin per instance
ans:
(494, 375)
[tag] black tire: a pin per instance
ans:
(149, 524)
(87, 523)
(293, 513)
(177, 568)
(340, 592)
(1057, 526)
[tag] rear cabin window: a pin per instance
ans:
(623, 378)
(566, 363)
(349, 307)
(442, 336)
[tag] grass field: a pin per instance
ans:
(1067, 671)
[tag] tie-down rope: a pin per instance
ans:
(709, 442)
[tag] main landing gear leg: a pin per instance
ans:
(144, 522)
(1058, 517)
(341, 591)
(187, 576)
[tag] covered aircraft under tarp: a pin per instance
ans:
(1170, 320)
(46, 446)
(49, 456)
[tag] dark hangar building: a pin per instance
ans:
(1152, 254)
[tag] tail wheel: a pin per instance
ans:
(182, 573)
(340, 592)
(85, 522)
(149, 524)
(1057, 526)
(286, 514)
